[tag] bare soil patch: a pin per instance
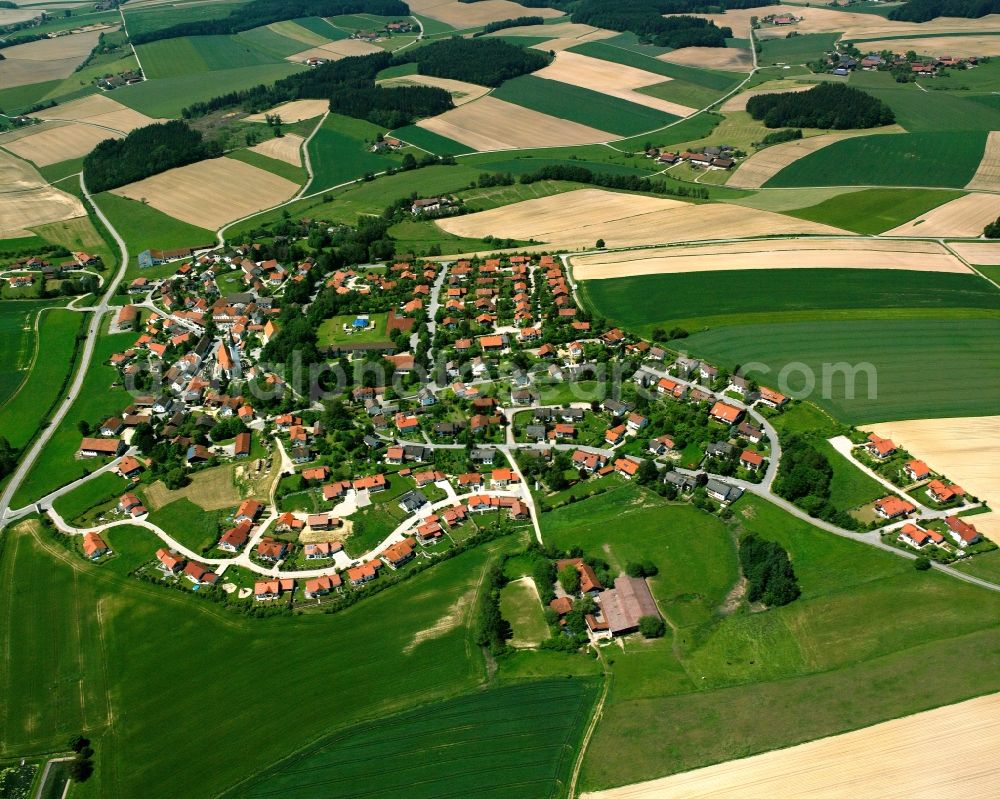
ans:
(46, 59)
(729, 59)
(988, 174)
(965, 216)
(966, 449)
(26, 200)
(211, 193)
(288, 148)
(818, 253)
(492, 124)
(294, 111)
(216, 488)
(578, 218)
(885, 760)
(461, 91)
(615, 80)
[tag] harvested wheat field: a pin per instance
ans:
(957, 46)
(99, 110)
(26, 200)
(559, 30)
(578, 218)
(984, 253)
(964, 217)
(288, 148)
(739, 102)
(729, 59)
(819, 253)
(965, 449)
(615, 80)
(46, 59)
(50, 145)
(211, 193)
(294, 111)
(765, 164)
(492, 124)
(988, 174)
(334, 51)
(471, 15)
(461, 92)
(884, 761)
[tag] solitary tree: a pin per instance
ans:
(652, 627)
(569, 578)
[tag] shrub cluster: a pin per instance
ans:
(769, 572)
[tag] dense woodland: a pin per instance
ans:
(144, 152)
(502, 24)
(487, 62)
(827, 105)
(645, 19)
(924, 10)
(769, 572)
(264, 12)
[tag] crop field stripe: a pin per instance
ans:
(936, 111)
(948, 160)
(708, 78)
(431, 141)
(874, 210)
(584, 106)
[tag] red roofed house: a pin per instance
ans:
(589, 584)
(271, 550)
(725, 413)
(320, 586)
(944, 493)
(879, 447)
(626, 467)
(94, 546)
(398, 554)
(561, 605)
(129, 467)
(892, 507)
(917, 470)
(241, 448)
(372, 483)
(235, 538)
(248, 510)
(198, 574)
(964, 533)
(751, 460)
(101, 447)
(772, 398)
(917, 537)
(364, 573)
(169, 562)
(266, 590)
(323, 550)
(501, 478)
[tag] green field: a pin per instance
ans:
(693, 128)
(581, 105)
(692, 300)
(893, 159)
(796, 49)
(922, 111)
(101, 489)
(419, 236)
(341, 151)
(520, 606)
(143, 227)
(518, 740)
(17, 343)
(159, 17)
(192, 526)
(874, 210)
(645, 59)
(168, 96)
(850, 487)
(331, 331)
(17, 98)
(918, 363)
(21, 414)
(430, 141)
(521, 165)
(265, 40)
(73, 621)
(296, 174)
(680, 91)
(191, 55)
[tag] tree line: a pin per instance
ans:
(580, 174)
(263, 12)
(501, 24)
(924, 10)
(804, 478)
(769, 573)
(144, 152)
(834, 106)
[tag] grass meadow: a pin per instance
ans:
(692, 301)
(341, 151)
(72, 622)
(17, 342)
(430, 141)
(645, 59)
(871, 211)
(944, 108)
(152, 19)
(585, 106)
(192, 526)
(100, 490)
(188, 55)
(796, 49)
(22, 413)
(331, 331)
(948, 160)
(517, 740)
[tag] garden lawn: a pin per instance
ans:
(331, 331)
(73, 621)
(22, 414)
(584, 106)
(192, 526)
(77, 502)
(517, 740)
(917, 363)
(895, 159)
(690, 299)
(873, 211)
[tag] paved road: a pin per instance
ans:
(93, 333)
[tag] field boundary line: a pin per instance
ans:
(595, 718)
(967, 264)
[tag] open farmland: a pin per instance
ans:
(293, 111)
(100, 110)
(921, 111)
(755, 295)
(898, 350)
(509, 741)
(210, 193)
(738, 102)
(493, 124)
(27, 200)
(888, 759)
(341, 151)
(984, 253)
(869, 210)
(288, 148)
(461, 92)
(334, 51)
(579, 218)
(964, 217)
(966, 449)
(53, 144)
(912, 159)
(988, 172)
(763, 165)
(584, 106)
(606, 77)
(470, 15)
(730, 59)
(956, 46)
(44, 60)
(195, 55)
(18, 344)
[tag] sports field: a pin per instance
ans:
(516, 740)
(917, 364)
(520, 605)
(692, 299)
(912, 159)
